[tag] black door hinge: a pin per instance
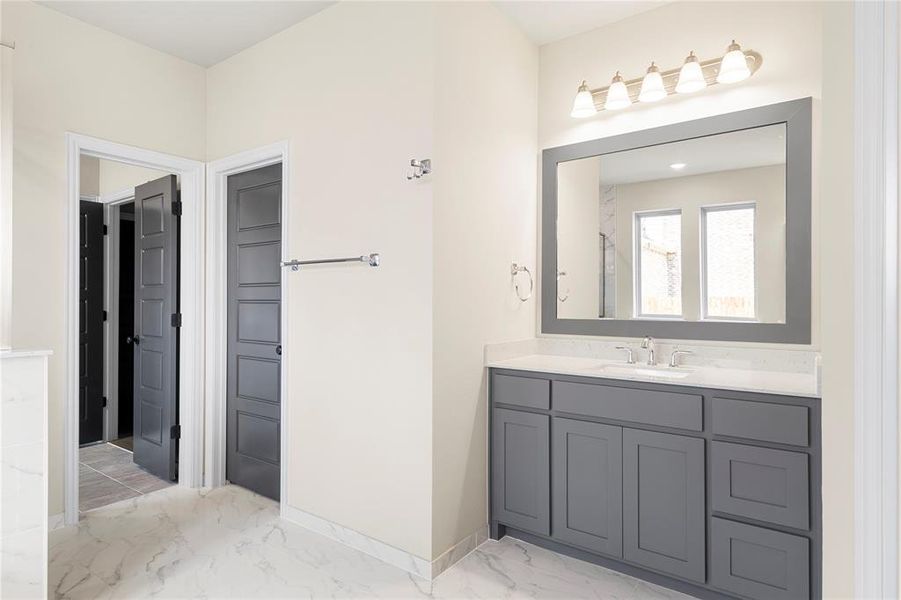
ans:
(176, 208)
(105, 316)
(104, 401)
(105, 230)
(175, 432)
(176, 319)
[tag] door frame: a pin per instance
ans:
(877, 36)
(111, 283)
(217, 304)
(191, 264)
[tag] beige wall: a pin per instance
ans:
(352, 88)
(765, 186)
(89, 176)
(70, 76)
(807, 49)
(485, 207)
(115, 176)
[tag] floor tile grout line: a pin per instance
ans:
(113, 479)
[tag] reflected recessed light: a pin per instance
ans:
(677, 166)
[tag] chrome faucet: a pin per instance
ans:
(675, 354)
(648, 344)
(631, 358)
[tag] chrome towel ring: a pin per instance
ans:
(566, 297)
(514, 269)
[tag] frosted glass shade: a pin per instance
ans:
(734, 66)
(691, 77)
(617, 94)
(652, 88)
(583, 105)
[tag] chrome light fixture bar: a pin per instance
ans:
(726, 69)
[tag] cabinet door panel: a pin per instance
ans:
(587, 485)
(663, 502)
(521, 470)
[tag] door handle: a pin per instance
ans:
(278, 349)
(136, 340)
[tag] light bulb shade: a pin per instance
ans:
(583, 105)
(617, 94)
(652, 88)
(691, 76)
(734, 66)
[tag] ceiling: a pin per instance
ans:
(545, 21)
(206, 32)
(745, 149)
(203, 32)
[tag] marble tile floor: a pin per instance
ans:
(107, 474)
(231, 543)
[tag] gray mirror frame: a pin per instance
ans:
(796, 114)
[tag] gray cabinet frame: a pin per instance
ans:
(796, 114)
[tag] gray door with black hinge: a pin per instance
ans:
(156, 327)
(588, 485)
(521, 470)
(663, 502)
(254, 330)
(90, 320)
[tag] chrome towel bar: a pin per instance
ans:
(373, 260)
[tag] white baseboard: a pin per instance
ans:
(385, 552)
(57, 521)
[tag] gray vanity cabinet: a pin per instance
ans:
(663, 502)
(712, 492)
(520, 486)
(587, 476)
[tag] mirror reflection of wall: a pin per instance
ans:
(691, 230)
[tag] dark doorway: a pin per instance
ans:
(126, 318)
(254, 330)
(91, 315)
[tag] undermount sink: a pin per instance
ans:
(647, 371)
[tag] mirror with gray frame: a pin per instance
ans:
(699, 230)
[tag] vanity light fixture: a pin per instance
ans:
(693, 76)
(617, 94)
(652, 88)
(734, 67)
(583, 105)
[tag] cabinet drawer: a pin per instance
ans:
(667, 409)
(759, 563)
(765, 421)
(760, 483)
(521, 391)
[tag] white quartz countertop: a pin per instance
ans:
(24, 352)
(745, 380)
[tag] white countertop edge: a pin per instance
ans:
(23, 353)
(741, 380)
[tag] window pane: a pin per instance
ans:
(660, 264)
(729, 244)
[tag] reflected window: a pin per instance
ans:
(658, 274)
(728, 251)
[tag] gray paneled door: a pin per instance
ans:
(90, 319)
(520, 470)
(663, 502)
(156, 327)
(588, 485)
(254, 330)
